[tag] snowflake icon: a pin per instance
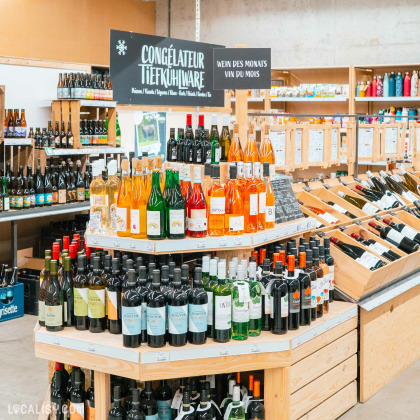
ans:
(121, 47)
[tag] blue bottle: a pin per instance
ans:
(399, 85)
(392, 84)
(385, 85)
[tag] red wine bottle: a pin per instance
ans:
(363, 257)
(405, 230)
(305, 291)
(293, 285)
(396, 238)
(375, 246)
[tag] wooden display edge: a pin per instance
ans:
(103, 352)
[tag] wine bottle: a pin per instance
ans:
(240, 306)
(341, 209)
(96, 299)
(398, 188)
(305, 291)
(222, 307)
(131, 313)
(197, 208)
(171, 146)
(59, 407)
(198, 304)
(148, 404)
(81, 292)
(255, 409)
(116, 412)
(186, 409)
(204, 410)
(78, 396)
(237, 411)
(156, 313)
(411, 183)
(359, 203)
(280, 302)
(320, 281)
(135, 413)
(164, 400)
(293, 285)
(156, 210)
(255, 304)
(374, 196)
(176, 210)
(114, 298)
(363, 257)
(90, 398)
(405, 230)
(266, 282)
(209, 288)
(376, 247)
(68, 297)
(54, 302)
(323, 214)
(379, 185)
(329, 260)
(396, 238)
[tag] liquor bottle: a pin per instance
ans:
(255, 303)
(23, 128)
(81, 291)
(68, 295)
(48, 196)
(61, 186)
(80, 185)
(251, 151)
(198, 303)
(45, 281)
(405, 230)
(175, 208)
(222, 304)
(197, 209)
(54, 302)
(255, 409)
(189, 139)
(156, 313)
(216, 193)
(240, 306)
(279, 302)
(262, 196)
(117, 412)
(63, 137)
(156, 210)
(329, 260)
(96, 299)
(234, 207)
(359, 203)
(131, 313)
(235, 153)
(114, 298)
(250, 198)
(148, 404)
(171, 146)
(326, 271)
(206, 155)
(266, 148)
(78, 396)
(124, 201)
(209, 288)
(98, 221)
(224, 139)
(59, 407)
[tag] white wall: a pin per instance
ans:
(303, 33)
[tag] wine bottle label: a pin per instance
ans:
(154, 417)
(217, 154)
(267, 304)
(236, 223)
(164, 410)
(395, 236)
(378, 248)
(6, 203)
(39, 199)
(135, 220)
(262, 197)
(255, 307)
(131, 320)
(62, 197)
(122, 215)
(222, 312)
(80, 194)
(240, 311)
(270, 213)
(217, 205)
(198, 220)
(97, 200)
(96, 303)
(90, 412)
(294, 299)
(55, 198)
(41, 310)
(53, 315)
(178, 319)
(409, 232)
(112, 298)
(144, 316)
(284, 306)
(306, 299)
(65, 311)
(328, 217)
(320, 290)
(370, 209)
(368, 260)
(95, 220)
(408, 195)
(198, 317)
(80, 301)
(60, 93)
(314, 293)
(331, 279)
(253, 204)
(19, 202)
(156, 324)
(77, 411)
(176, 222)
(339, 208)
(210, 308)
(326, 286)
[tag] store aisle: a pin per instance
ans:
(24, 381)
(24, 378)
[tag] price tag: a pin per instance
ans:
(116, 243)
(150, 247)
(95, 241)
(238, 242)
(56, 342)
(224, 352)
(265, 238)
(162, 357)
(255, 348)
(91, 348)
(133, 245)
(201, 244)
(223, 243)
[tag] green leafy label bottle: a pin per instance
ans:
(156, 210)
(222, 307)
(240, 306)
(255, 304)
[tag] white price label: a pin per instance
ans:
(223, 243)
(92, 348)
(224, 352)
(255, 348)
(201, 244)
(238, 241)
(116, 244)
(133, 245)
(162, 357)
(150, 246)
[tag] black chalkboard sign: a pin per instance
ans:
(153, 70)
(287, 206)
(242, 68)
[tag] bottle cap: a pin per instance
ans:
(112, 167)
(142, 270)
(252, 269)
(156, 277)
(164, 272)
(198, 274)
(291, 263)
(207, 169)
(241, 273)
(139, 262)
(232, 383)
(66, 241)
(115, 265)
(131, 277)
(266, 265)
(185, 270)
(96, 263)
(236, 394)
(177, 275)
(215, 171)
(213, 267)
(206, 264)
(221, 270)
(279, 268)
(256, 389)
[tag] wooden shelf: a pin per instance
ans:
(84, 151)
(310, 99)
(209, 243)
(388, 99)
(93, 103)
(18, 142)
(105, 352)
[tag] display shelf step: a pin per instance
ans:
(388, 99)
(309, 99)
(15, 215)
(207, 243)
(18, 142)
(84, 151)
(93, 103)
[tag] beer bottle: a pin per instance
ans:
(5, 124)
(39, 188)
(54, 187)
(18, 194)
(31, 182)
(65, 94)
(56, 136)
(69, 136)
(61, 186)
(71, 86)
(48, 193)
(12, 190)
(111, 91)
(44, 138)
(22, 123)
(60, 87)
(63, 136)
(31, 133)
(86, 180)
(26, 194)
(80, 185)
(18, 131)
(10, 125)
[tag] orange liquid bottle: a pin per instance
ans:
(234, 206)
(235, 151)
(216, 208)
(262, 194)
(158, 165)
(251, 151)
(240, 178)
(266, 148)
(250, 198)
(270, 200)
(138, 213)
(124, 201)
(197, 208)
(186, 189)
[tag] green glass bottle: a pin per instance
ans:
(216, 150)
(54, 302)
(222, 306)
(168, 183)
(176, 210)
(156, 210)
(237, 411)
(240, 306)
(255, 304)
(209, 287)
(5, 194)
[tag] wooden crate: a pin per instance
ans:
(389, 341)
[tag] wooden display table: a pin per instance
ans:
(310, 372)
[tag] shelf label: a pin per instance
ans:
(116, 243)
(255, 348)
(238, 242)
(224, 352)
(133, 245)
(150, 246)
(56, 342)
(91, 348)
(48, 151)
(95, 241)
(223, 243)
(162, 357)
(201, 244)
